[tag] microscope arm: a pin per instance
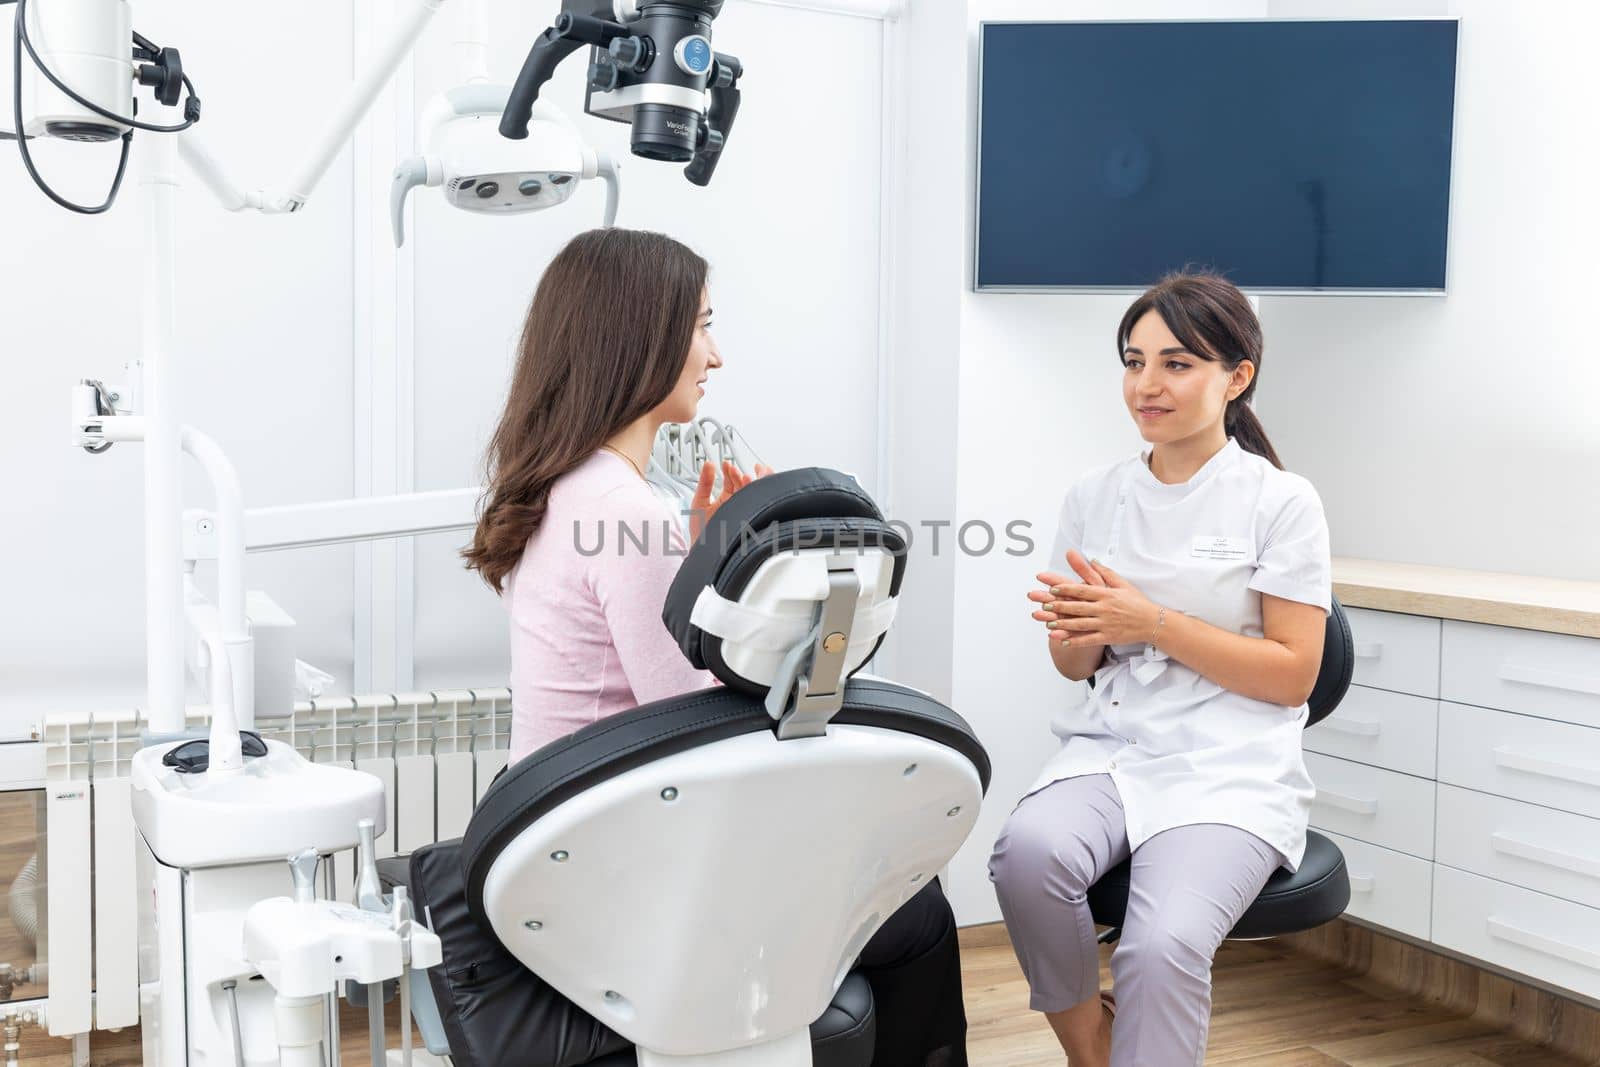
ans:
(719, 119)
(581, 22)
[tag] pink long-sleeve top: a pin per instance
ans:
(585, 603)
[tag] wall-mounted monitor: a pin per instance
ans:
(1290, 155)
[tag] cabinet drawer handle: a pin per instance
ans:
(1513, 846)
(1585, 773)
(1577, 683)
(1368, 649)
(1357, 805)
(1547, 945)
(1353, 727)
(1361, 883)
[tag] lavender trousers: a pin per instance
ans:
(1188, 887)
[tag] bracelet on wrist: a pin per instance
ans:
(1161, 619)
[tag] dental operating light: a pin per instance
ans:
(651, 66)
(483, 172)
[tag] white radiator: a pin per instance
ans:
(436, 753)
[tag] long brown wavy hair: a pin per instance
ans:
(1213, 319)
(606, 338)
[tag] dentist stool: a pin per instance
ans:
(1316, 893)
(691, 882)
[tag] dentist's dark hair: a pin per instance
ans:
(606, 337)
(1211, 318)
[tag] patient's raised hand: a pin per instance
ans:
(703, 506)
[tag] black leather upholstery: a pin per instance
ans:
(812, 507)
(496, 1011)
(1317, 893)
(1338, 666)
(619, 743)
(1320, 890)
(845, 1034)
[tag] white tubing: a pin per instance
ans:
(163, 496)
(24, 901)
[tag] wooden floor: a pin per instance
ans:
(1272, 1007)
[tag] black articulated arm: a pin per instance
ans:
(581, 22)
(719, 119)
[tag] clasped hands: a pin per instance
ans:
(1106, 609)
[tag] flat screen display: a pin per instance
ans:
(1288, 155)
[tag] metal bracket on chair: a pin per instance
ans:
(809, 689)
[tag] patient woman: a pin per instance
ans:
(1198, 600)
(618, 342)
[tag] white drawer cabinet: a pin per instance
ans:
(1460, 777)
(1554, 764)
(1373, 805)
(1388, 888)
(1395, 652)
(1395, 731)
(1554, 852)
(1553, 676)
(1530, 933)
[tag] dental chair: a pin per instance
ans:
(1316, 893)
(691, 882)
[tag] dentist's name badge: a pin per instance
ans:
(1220, 548)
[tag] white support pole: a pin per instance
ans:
(235, 625)
(472, 41)
(163, 496)
(372, 80)
(211, 174)
(891, 194)
(333, 522)
(384, 361)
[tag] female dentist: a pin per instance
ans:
(1202, 586)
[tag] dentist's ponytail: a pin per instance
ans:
(1214, 320)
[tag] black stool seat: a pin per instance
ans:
(1317, 893)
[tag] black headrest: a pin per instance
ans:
(811, 507)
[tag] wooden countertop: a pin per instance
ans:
(1555, 605)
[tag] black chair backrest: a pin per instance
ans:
(1338, 664)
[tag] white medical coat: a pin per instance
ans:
(1180, 748)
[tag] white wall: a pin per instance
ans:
(263, 338)
(790, 225)
(1452, 431)
(920, 424)
(1461, 431)
(326, 364)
